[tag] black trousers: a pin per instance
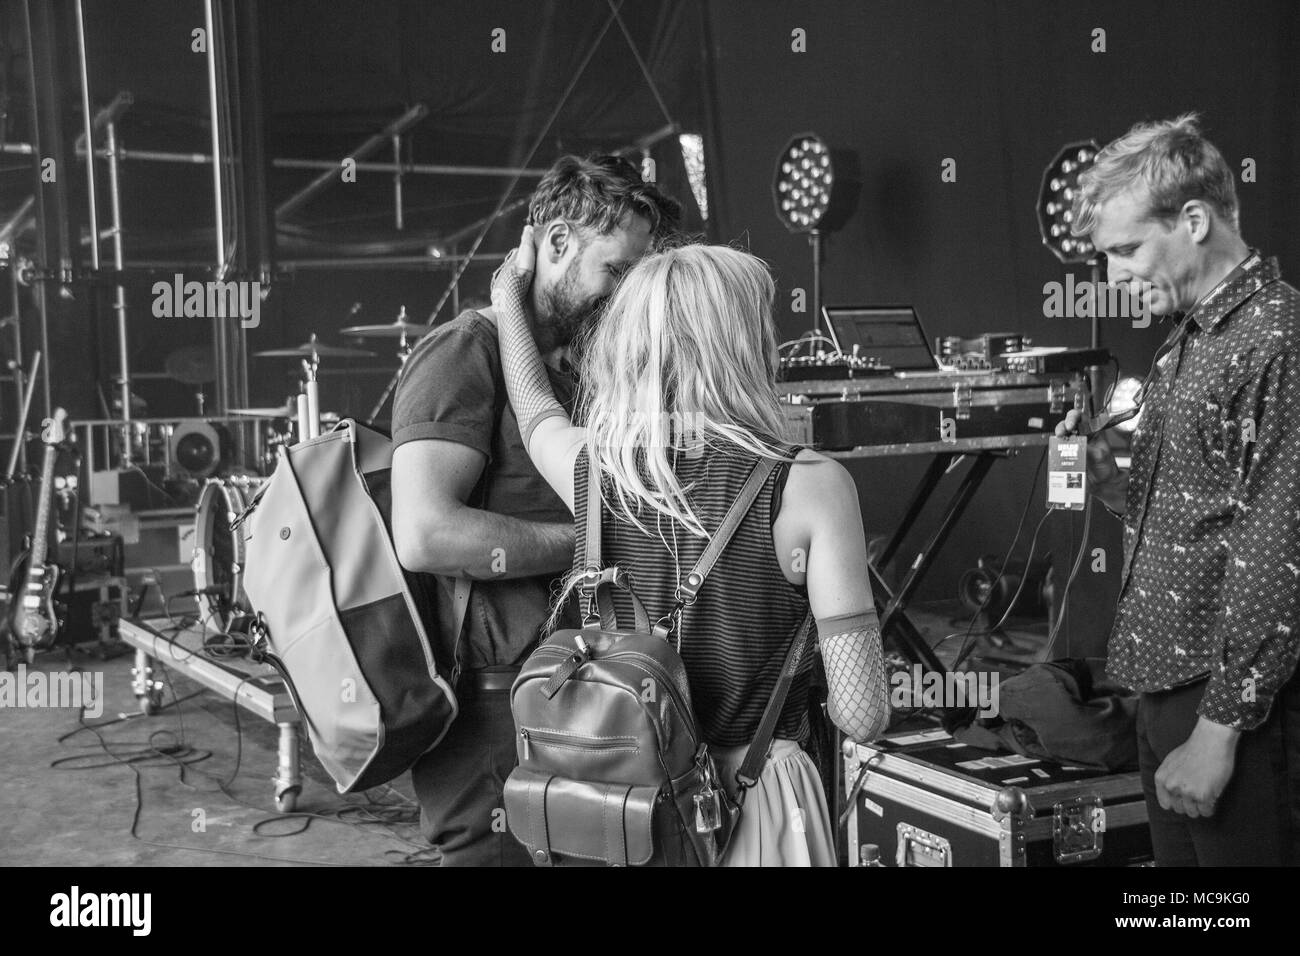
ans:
(1257, 820)
(459, 784)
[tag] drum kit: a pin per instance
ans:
(218, 560)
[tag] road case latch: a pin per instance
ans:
(1078, 829)
(961, 398)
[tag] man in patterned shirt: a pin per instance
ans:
(1208, 624)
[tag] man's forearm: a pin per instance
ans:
(484, 546)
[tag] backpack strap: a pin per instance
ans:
(756, 755)
(688, 590)
(593, 564)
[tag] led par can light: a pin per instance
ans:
(815, 187)
(1056, 200)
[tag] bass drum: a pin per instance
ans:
(218, 560)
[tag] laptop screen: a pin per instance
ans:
(892, 335)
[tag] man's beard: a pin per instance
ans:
(565, 314)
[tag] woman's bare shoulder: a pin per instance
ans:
(819, 486)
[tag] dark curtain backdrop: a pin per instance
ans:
(906, 83)
(998, 87)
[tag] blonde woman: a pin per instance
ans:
(679, 401)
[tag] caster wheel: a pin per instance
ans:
(286, 801)
(149, 704)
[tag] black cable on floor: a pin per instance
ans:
(178, 753)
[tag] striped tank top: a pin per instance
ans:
(735, 636)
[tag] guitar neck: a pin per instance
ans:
(41, 533)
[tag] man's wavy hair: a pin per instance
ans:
(1172, 160)
(597, 193)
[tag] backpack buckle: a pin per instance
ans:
(689, 589)
(743, 785)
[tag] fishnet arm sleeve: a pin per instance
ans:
(857, 694)
(527, 383)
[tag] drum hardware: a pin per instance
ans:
(314, 350)
(192, 365)
(218, 559)
(308, 401)
(273, 437)
(401, 329)
(288, 410)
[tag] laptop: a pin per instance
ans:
(890, 334)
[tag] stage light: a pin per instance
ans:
(1056, 197)
(815, 187)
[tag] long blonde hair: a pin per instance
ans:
(684, 357)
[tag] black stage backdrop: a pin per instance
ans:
(907, 84)
(998, 87)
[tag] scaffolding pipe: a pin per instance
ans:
(20, 430)
(16, 364)
(219, 343)
(397, 183)
(332, 165)
(88, 133)
(119, 298)
(424, 169)
(331, 173)
(18, 219)
(376, 262)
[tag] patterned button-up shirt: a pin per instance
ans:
(1211, 575)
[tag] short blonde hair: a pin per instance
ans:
(1172, 160)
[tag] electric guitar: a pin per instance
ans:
(33, 621)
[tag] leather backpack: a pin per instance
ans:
(612, 770)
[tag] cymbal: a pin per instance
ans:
(192, 365)
(387, 330)
(313, 347)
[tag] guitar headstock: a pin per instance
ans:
(52, 429)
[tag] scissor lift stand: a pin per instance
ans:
(255, 687)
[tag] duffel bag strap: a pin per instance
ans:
(756, 755)
(460, 596)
